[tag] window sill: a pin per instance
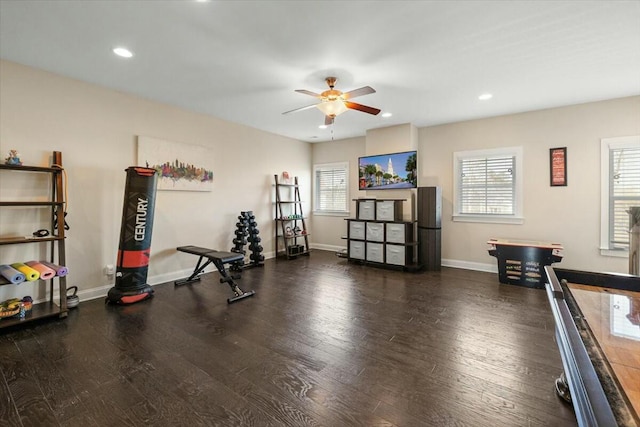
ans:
(488, 219)
(327, 213)
(616, 253)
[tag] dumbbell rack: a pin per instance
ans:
(247, 231)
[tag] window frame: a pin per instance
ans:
(316, 193)
(516, 217)
(607, 145)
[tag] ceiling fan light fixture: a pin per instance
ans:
(122, 52)
(332, 108)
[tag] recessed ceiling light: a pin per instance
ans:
(485, 96)
(123, 52)
(322, 127)
(385, 115)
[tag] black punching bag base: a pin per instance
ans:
(116, 296)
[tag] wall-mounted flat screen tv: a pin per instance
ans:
(388, 171)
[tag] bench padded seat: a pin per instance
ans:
(224, 257)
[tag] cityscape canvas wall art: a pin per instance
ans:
(181, 167)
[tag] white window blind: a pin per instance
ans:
(624, 192)
(487, 186)
(331, 187)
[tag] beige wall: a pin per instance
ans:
(393, 139)
(95, 129)
(329, 229)
(568, 215)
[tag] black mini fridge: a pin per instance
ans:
(429, 227)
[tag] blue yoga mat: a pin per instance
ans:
(12, 275)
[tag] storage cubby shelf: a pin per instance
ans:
(378, 235)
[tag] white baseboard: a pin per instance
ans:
(454, 263)
(101, 292)
(322, 247)
(468, 265)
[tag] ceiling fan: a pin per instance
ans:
(333, 102)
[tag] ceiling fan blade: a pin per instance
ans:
(300, 109)
(308, 92)
(363, 108)
(358, 92)
(328, 120)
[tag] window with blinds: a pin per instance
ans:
(331, 188)
(487, 185)
(624, 193)
(619, 191)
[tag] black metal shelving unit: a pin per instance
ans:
(291, 236)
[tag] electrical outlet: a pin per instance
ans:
(109, 270)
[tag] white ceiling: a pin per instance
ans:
(428, 60)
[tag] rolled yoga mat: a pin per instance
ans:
(60, 270)
(29, 272)
(46, 273)
(12, 275)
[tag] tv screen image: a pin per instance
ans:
(388, 171)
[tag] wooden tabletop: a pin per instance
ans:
(527, 243)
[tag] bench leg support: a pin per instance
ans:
(238, 293)
(195, 276)
(227, 278)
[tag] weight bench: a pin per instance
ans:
(219, 259)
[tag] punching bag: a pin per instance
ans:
(132, 264)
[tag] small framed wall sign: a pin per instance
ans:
(558, 163)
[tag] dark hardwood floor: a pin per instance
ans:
(322, 343)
